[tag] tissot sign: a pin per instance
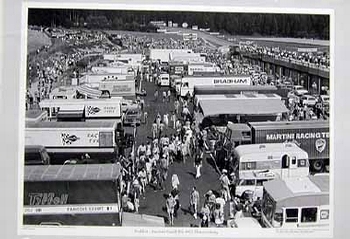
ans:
(232, 81)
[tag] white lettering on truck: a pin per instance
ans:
(291, 136)
(232, 81)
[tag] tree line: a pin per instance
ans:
(259, 24)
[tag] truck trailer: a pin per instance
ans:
(311, 136)
(67, 195)
(102, 140)
(118, 88)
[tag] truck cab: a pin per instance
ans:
(132, 116)
(237, 134)
(164, 79)
(36, 155)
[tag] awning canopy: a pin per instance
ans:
(70, 112)
(76, 172)
(297, 192)
(242, 107)
(89, 91)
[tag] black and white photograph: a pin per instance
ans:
(177, 119)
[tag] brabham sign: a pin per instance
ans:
(232, 81)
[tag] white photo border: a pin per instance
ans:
(164, 232)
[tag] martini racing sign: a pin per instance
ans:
(315, 143)
(237, 80)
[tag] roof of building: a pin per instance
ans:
(70, 172)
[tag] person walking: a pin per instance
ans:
(149, 163)
(143, 179)
(154, 130)
(169, 95)
(218, 215)
(164, 96)
(225, 185)
(164, 167)
(173, 119)
(178, 127)
(141, 150)
(175, 183)
(194, 201)
(176, 105)
(170, 206)
(221, 201)
(171, 151)
(145, 117)
(137, 195)
(185, 113)
(205, 215)
(198, 162)
(156, 95)
(158, 120)
(166, 120)
(184, 152)
(175, 192)
(210, 199)
(148, 150)
(161, 129)
(142, 103)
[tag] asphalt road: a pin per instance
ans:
(154, 202)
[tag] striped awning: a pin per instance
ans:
(89, 91)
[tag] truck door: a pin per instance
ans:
(293, 166)
(285, 166)
(289, 166)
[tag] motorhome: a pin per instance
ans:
(256, 163)
(297, 202)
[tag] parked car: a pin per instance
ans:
(324, 99)
(308, 100)
(299, 90)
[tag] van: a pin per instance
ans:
(164, 79)
(308, 100)
(36, 155)
(299, 90)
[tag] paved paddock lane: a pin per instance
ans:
(154, 202)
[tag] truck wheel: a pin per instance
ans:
(317, 165)
(326, 168)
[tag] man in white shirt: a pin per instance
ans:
(225, 183)
(141, 150)
(194, 201)
(221, 201)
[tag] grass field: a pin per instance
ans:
(36, 40)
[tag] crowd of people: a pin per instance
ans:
(175, 138)
(313, 59)
(48, 70)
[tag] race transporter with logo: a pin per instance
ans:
(313, 137)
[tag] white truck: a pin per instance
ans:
(164, 79)
(102, 140)
(115, 109)
(94, 79)
(188, 83)
(202, 67)
(118, 88)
